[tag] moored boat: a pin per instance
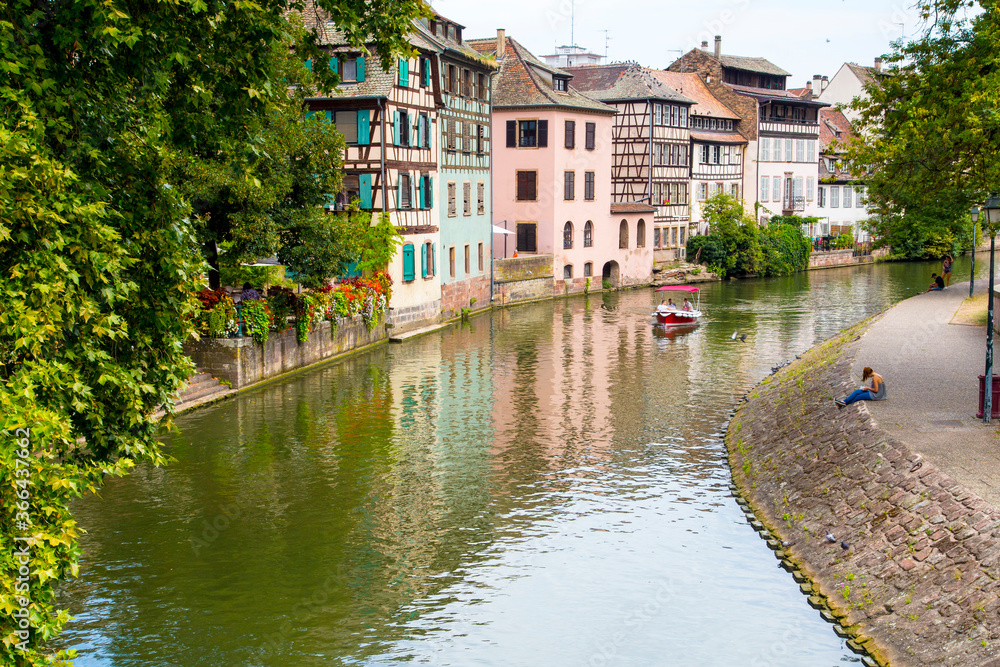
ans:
(678, 316)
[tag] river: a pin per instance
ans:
(544, 485)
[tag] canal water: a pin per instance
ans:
(544, 485)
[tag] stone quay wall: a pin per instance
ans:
(920, 580)
(520, 279)
(243, 362)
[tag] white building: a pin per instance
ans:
(572, 56)
(847, 84)
(840, 201)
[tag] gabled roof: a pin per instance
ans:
(834, 126)
(761, 65)
(453, 47)
(520, 82)
(691, 85)
(804, 93)
(866, 74)
(623, 81)
(768, 95)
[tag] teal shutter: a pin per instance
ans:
(365, 184)
(434, 259)
(310, 113)
(361, 68)
(399, 192)
(328, 116)
(395, 128)
(428, 190)
(364, 132)
(420, 131)
(423, 261)
(427, 71)
(335, 64)
(408, 262)
(309, 65)
(404, 71)
(420, 192)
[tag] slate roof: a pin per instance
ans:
(691, 85)
(761, 65)
(768, 95)
(454, 47)
(719, 137)
(519, 83)
(623, 81)
(866, 74)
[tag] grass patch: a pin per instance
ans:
(972, 312)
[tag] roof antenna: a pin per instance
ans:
(572, 20)
(606, 40)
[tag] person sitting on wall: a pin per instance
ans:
(876, 392)
(249, 293)
(937, 283)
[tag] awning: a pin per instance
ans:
(501, 230)
(677, 288)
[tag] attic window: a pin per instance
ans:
(560, 83)
(434, 27)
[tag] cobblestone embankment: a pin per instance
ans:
(918, 584)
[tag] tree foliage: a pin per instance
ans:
(930, 131)
(735, 245)
(105, 104)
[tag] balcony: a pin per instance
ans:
(792, 204)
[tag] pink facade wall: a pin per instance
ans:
(552, 211)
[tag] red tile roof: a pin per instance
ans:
(632, 207)
(690, 85)
(719, 137)
(623, 81)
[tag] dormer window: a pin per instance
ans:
(560, 83)
(433, 27)
(458, 35)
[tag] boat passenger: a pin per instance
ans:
(687, 306)
(662, 307)
(671, 305)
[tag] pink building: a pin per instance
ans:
(552, 176)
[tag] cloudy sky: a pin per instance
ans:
(803, 37)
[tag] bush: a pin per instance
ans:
(844, 241)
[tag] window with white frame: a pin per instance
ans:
(859, 199)
(799, 188)
(800, 150)
(734, 190)
(765, 188)
(835, 197)
(811, 150)
(788, 150)
(847, 196)
(777, 189)
(821, 197)
(715, 154)
(702, 191)
(704, 154)
(810, 184)
(765, 149)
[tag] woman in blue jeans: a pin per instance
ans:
(874, 393)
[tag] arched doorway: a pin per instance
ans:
(610, 273)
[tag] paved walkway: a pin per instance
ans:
(932, 369)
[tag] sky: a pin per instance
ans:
(804, 37)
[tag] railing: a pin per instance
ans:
(794, 204)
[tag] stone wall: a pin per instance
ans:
(525, 278)
(458, 295)
(824, 259)
(412, 317)
(919, 581)
(243, 362)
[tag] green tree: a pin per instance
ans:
(103, 102)
(930, 130)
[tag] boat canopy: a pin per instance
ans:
(677, 288)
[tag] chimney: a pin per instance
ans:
(817, 84)
(704, 45)
(718, 46)
(826, 81)
(809, 86)
(501, 43)
(878, 64)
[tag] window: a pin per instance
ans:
(734, 190)
(408, 270)
(349, 70)
(526, 186)
(765, 188)
(401, 128)
(405, 200)
(567, 236)
(777, 189)
(675, 112)
(588, 269)
(424, 131)
(834, 197)
(810, 184)
(704, 154)
(480, 139)
(799, 190)
(527, 136)
(480, 257)
(684, 116)
(468, 259)
(467, 198)
(859, 199)
(481, 86)
(683, 230)
(480, 198)
(427, 260)
(623, 235)
(347, 125)
(451, 84)
(800, 150)
(571, 134)
(673, 237)
(715, 154)
(640, 233)
(588, 234)
(847, 196)
(821, 197)
(658, 114)
(788, 150)
(811, 150)
(350, 190)
(591, 131)
(452, 207)
(559, 83)
(588, 185)
(526, 241)
(568, 272)
(569, 185)
(702, 191)
(656, 237)
(451, 261)
(734, 155)
(765, 149)
(423, 73)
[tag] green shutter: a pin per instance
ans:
(310, 113)
(361, 68)
(399, 192)
(328, 116)
(427, 72)
(404, 71)
(395, 128)
(335, 64)
(309, 65)
(420, 192)
(429, 193)
(408, 262)
(420, 131)
(423, 261)
(434, 259)
(364, 132)
(365, 183)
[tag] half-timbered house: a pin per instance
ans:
(463, 186)
(391, 159)
(717, 148)
(840, 199)
(550, 176)
(652, 147)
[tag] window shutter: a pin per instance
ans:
(423, 261)
(309, 65)
(409, 185)
(328, 116)
(399, 191)
(429, 192)
(361, 68)
(364, 132)
(511, 133)
(395, 128)
(335, 64)
(404, 71)
(434, 261)
(408, 262)
(365, 185)
(420, 192)
(420, 132)
(310, 113)
(570, 134)
(427, 72)
(543, 133)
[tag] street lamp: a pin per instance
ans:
(974, 214)
(992, 208)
